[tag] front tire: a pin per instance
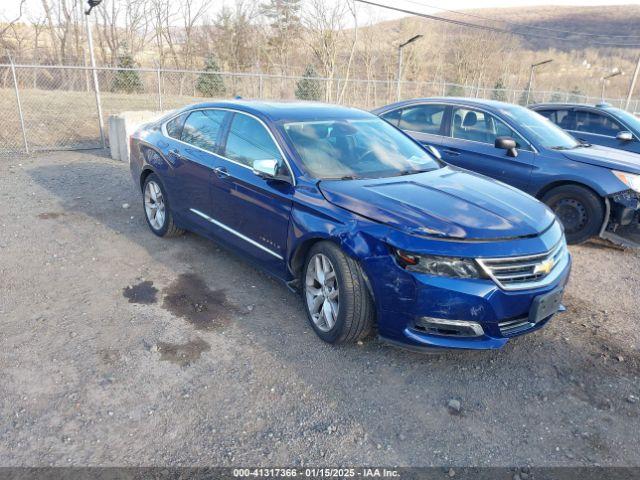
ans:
(579, 209)
(156, 208)
(338, 303)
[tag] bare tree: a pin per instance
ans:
(325, 32)
(60, 22)
(9, 23)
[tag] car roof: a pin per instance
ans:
(286, 111)
(599, 106)
(470, 102)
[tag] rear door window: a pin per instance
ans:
(202, 129)
(596, 123)
(423, 118)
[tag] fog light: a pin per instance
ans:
(449, 328)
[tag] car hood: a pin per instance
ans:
(606, 157)
(446, 202)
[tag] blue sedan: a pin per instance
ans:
(599, 124)
(371, 229)
(592, 189)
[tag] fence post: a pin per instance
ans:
(260, 87)
(96, 88)
(159, 80)
(19, 104)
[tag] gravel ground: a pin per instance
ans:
(119, 348)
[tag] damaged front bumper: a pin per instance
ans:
(621, 225)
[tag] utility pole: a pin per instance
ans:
(633, 84)
(400, 47)
(533, 66)
(96, 87)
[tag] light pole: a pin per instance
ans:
(400, 47)
(632, 86)
(533, 66)
(96, 87)
(614, 73)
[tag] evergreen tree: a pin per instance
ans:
(309, 87)
(575, 95)
(455, 91)
(127, 80)
(523, 98)
(499, 91)
(285, 23)
(211, 84)
(556, 97)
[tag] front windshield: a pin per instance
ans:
(629, 118)
(348, 149)
(540, 129)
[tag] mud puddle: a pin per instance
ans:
(144, 293)
(190, 298)
(183, 354)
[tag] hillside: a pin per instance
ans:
(618, 20)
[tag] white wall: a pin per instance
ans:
(122, 125)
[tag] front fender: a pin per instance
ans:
(551, 172)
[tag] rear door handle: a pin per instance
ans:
(453, 153)
(221, 172)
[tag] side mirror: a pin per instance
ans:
(508, 144)
(265, 168)
(268, 169)
(624, 136)
(433, 151)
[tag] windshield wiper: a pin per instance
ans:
(412, 171)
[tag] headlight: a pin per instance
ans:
(629, 179)
(436, 265)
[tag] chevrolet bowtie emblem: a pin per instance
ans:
(544, 267)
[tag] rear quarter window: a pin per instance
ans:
(202, 129)
(561, 117)
(393, 117)
(174, 126)
(423, 118)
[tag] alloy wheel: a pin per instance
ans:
(322, 292)
(154, 205)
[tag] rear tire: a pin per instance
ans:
(338, 304)
(157, 209)
(579, 209)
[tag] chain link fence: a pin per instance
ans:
(56, 107)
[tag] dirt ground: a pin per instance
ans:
(120, 348)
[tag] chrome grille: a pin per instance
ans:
(531, 271)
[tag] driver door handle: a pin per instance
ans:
(221, 172)
(453, 153)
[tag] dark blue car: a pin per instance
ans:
(592, 189)
(372, 230)
(600, 124)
